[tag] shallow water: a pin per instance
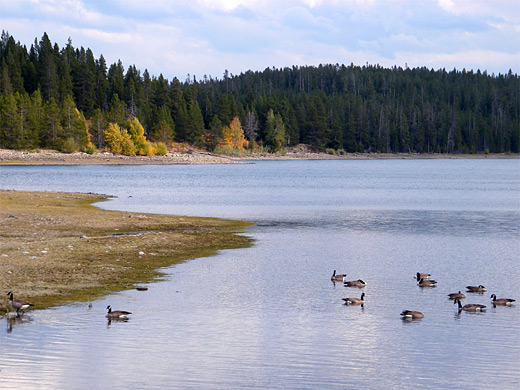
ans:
(269, 316)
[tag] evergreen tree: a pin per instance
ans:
(11, 134)
(164, 128)
(97, 128)
(51, 131)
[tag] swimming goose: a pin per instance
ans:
(427, 283)
(355, 283)
(18, 304)
(410, 314)
(501, 301)
(458, 295)
(477, 289)
(469, 306)
(421, 275)
(355, 301)
(117, 314)
(337, 278)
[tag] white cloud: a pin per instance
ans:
(447, 5)
(208, 36)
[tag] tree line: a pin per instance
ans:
(66, 99)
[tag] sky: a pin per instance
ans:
(206, 37)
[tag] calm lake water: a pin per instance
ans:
(268, 317)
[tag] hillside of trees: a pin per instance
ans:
(67, 99)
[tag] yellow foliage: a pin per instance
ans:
(142, 145)
(160, 148)
(234, 135)
(116, 138)
(128, 142)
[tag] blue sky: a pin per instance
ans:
(205, 37)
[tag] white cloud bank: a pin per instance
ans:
(205, 37)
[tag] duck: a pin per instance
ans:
(18, 304)
(338, 278)
(355, 301)
(501, 301)
(420, 275)
(411, 314)
(117, 314)
(427, 283)
(470, 306)
(476, 289)
(355, 283)
(459, 295)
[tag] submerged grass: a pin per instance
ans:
(57, 247)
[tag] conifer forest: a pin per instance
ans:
(68, 99)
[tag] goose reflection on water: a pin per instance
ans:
(13, 320)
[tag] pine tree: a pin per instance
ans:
(5, 80)
(10, 123)
(52, 132)
(275, 131)
(164, 128)
(75, 130)
(34, 119)
(97, 127)
(47, 68)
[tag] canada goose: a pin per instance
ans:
(427, 283)
(355, 283)
(501, 301)
(420, 276)
(355, 301)
(410, 314)
(458, 295)
(476, 289)
(469, 306)
(18, 304)
(337, 278)
(117, 314)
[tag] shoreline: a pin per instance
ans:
(51, 157)
(58, 248)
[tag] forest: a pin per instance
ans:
(67, 99)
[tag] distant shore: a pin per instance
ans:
(51, 157)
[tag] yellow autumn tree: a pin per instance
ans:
(118, 140)
(142, 146)
(234, 135)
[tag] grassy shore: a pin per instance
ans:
(57, 247)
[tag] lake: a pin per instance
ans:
(269, 317)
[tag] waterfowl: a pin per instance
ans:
(469, 306)
(421, 275)
(117, 314)
(355, 283)
(410, 314)
(477, 289)
(337, 278)
(355, 301)
(18, 304)
(427, 283)
(501, 301)
(459, 295)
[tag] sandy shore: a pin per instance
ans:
(51, 157)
